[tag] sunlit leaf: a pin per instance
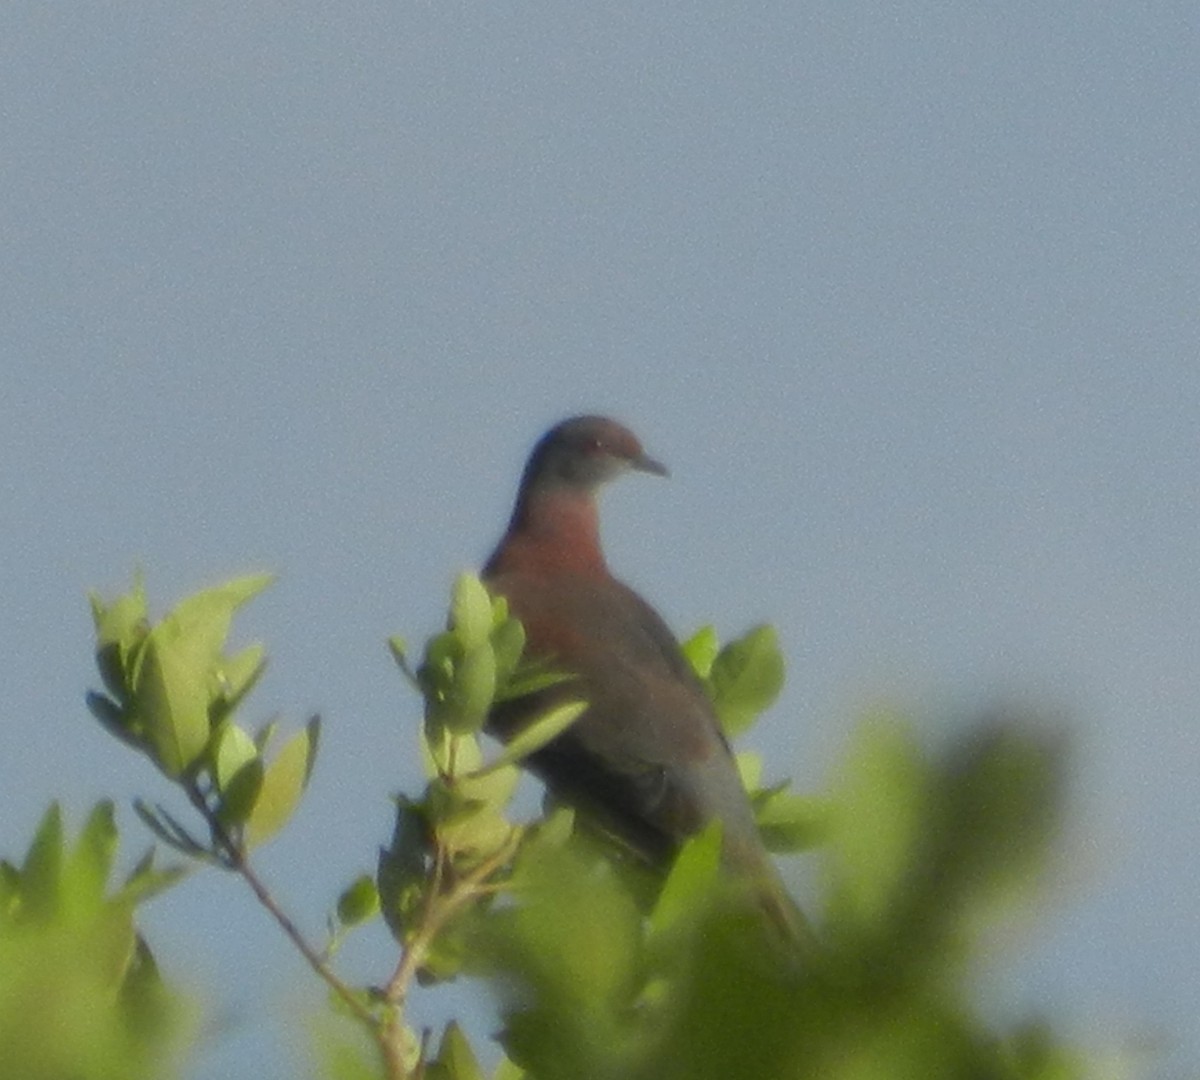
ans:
(692, 876)
(467, 813)
(119, 626)
(879, 806)
(701, 650)
(203, 618)
(746, 678)
(147, 880)
(537, 734)
(41, 872)
(789, 822)
(283, 783)
(234, 749)
(508, 1070)
(529, 677)
(470, 611)
(237, 675)
(750, 767)
(359, 901)
(172, 700)
(399, 650)
(471, 690)
(117, 621)
(455, 1059)
(90, 862)
(79, 995)
(508, 642)
(573, 935)
(264, 735)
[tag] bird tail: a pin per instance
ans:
(784, 915)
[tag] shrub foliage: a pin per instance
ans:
(601, 968)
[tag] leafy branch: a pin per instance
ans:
(599, 970)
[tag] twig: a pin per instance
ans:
(235, 857)
(438, 910)
(441, 905)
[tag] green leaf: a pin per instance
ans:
(466, 812)
(530, 676)
(437, 749)
(508, 1070)
(701, 650)
(875, 831)
(118, 621)
(750, 767)
(283, 783)
(203, 618)
(41, 872)
(691, 880)
(444, 755)
(746, 678)
(111, 664)
(554, 830)
(573, 932)
(10, 892)
(536, 734)
(470, 695)
(441, 652)
(239, 674)
(491, 785)
(500, 612)
(359, 902)
(789, 822)
(240, 793)
(116, 721)
(455, 1059)
(436, 673)
(90, 863)
(508, 643)
(234, 750)
(399, 650)
(401, 871)
(147, 880)
(996, 803)
(120, 627)
(172, 702)
(264, 735)
(470, 611)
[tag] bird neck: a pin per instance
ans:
(554, 529)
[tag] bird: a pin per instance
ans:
(647, 760)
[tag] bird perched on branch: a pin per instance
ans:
(647, 759)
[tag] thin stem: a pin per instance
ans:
(442, 904)
(438, 910)
(314, 958)
(234, 856)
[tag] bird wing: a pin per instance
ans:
(648, 753)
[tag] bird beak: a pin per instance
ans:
(645, 463)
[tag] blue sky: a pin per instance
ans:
(907, 295)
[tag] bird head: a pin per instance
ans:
(584, 452)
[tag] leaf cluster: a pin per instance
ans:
(80, 994)
(921, 855)
(600, 970)
(172, 693)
